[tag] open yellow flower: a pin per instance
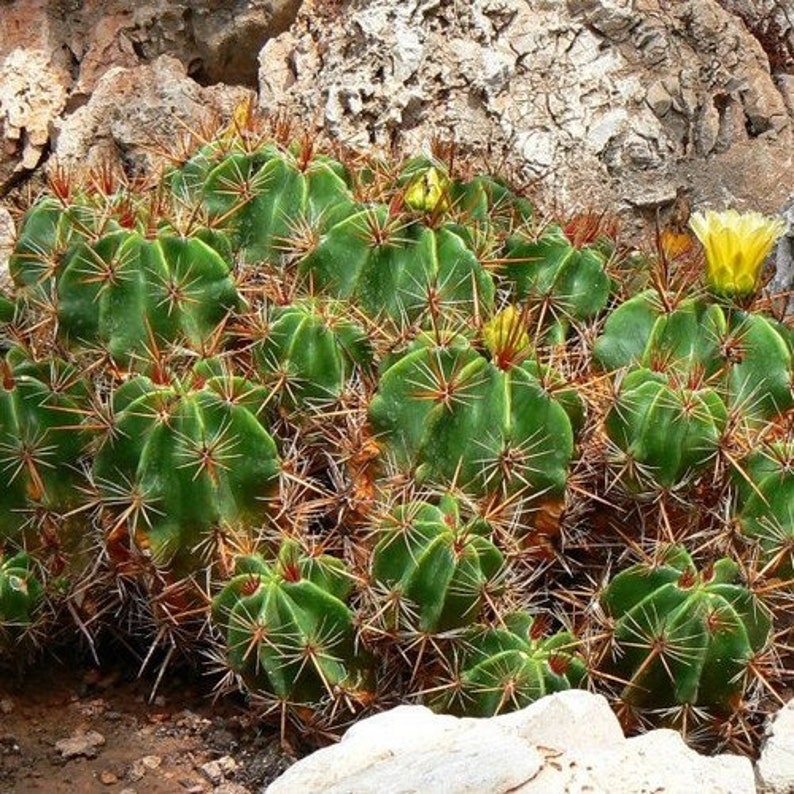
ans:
(737, 245)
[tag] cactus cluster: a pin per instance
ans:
(364, 431)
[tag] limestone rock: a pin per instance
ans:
(565, 742)
(772, 23)
(134, 111)
(33, 93)
(775, 767)
(54, 55)
(411, 749)
(596, 102)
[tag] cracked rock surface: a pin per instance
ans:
(55, 55)
(614, 102)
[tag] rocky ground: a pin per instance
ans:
(65, 729)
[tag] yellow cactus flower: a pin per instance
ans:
(737, 245)
(506, 338)
(428, 191)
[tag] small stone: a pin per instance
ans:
(216, 771)
(230, 788)
(81, 744)
(191, 787)
(135, 771)
(151, 761)
(8, 744)
(6, 705)
(107, 777)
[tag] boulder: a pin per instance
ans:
(566, 742)
(775, 766)
(55, 55)
(604, 103)
(135, 116)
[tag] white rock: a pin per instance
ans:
(558, 89)
(661, 761)
(569, 742)
(775, 767)
(410, 749)
(566, 721)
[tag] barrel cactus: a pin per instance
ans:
(185, 459)
(309, 352)
(745, 355)
(509, 666)
(21, 593)
(272, 201)
(450, 414)
(764, 505)
(663, 432)
(432, 570)
(682, 637)
(287, 629)
(42, 403)
(397, 268)
(126, 294)
(569, 283)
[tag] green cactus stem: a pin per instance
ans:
(683, 637)
(287, 629)
(745, 355)
(449, 414)
(125, 294)
(764, 509)
(41, 441)
(435, 569)
(507, 667)
(183, 460)
(21, 593)
(309, 354)
(664, 432)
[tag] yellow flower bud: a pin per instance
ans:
(506, 338)
(428, 191)
(737, 245)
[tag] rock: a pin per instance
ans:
(566, 742)
(772, 24)
(134, 111)
(564, 721)
(81, 744)
(54, 56)
(33, 93)
(775, 766)
(218, 770)
(587, 99)
(783, 280)
(230, 788)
